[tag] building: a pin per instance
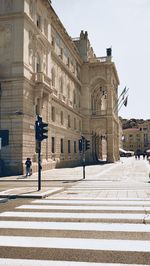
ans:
(43, 71)
(133, 139)
(137, 138)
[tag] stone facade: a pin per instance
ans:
(43, 71)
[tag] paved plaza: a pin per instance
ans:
(102, 220)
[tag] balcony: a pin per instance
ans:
(69, 102)
(43, 80)
(62, 97)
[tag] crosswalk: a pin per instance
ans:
(58, 232)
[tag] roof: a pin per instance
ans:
(133, 129)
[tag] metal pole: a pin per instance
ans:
(83, 171)
(39, 165)
(83, 159)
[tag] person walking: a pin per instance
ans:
(28, 165)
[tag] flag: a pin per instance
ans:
(123, 92)
(125, 101)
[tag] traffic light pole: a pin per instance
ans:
(83, 156)
(83, 160)
(39, 165)
(40, 131)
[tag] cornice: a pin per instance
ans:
(58, 26)
(55, 99)
(11, 16)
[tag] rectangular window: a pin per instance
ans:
(61, 118)
(75, 124)
(79, 125)
(61, 145)
(69, 123)
(61, 53)
(69, 148)
(53, 41)
(53, 113)
(53, 145)
(38, 21)
(75, 147)
(68, 61)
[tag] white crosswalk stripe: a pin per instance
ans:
(89, 231)
(13, 262)
(100, 202)
(114, 227)
(75, 243)
(87, 208)
(85, 216)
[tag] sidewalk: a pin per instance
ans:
(60, 174)
(125, 174)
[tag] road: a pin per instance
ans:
(102, 220)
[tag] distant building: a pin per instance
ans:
(137, 138)
(43, 71)
(133, 139)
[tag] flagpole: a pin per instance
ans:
(122, 103)
(119, 102)
(121, 94)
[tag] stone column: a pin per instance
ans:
(110, 125)
(110, 140)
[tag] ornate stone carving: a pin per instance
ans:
(31, 56)
(32, 48)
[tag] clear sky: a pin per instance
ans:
(123, 25)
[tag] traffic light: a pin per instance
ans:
(40, 129)
(4, 135)
(82, 144)
(87, 144)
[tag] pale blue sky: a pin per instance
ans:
(124, 25)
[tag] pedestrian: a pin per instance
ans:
(28, 165)
(144, 155)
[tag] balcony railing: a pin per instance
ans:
(93, 113)
(40, 77)
(103, 59)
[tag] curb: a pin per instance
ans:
(38, 195)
